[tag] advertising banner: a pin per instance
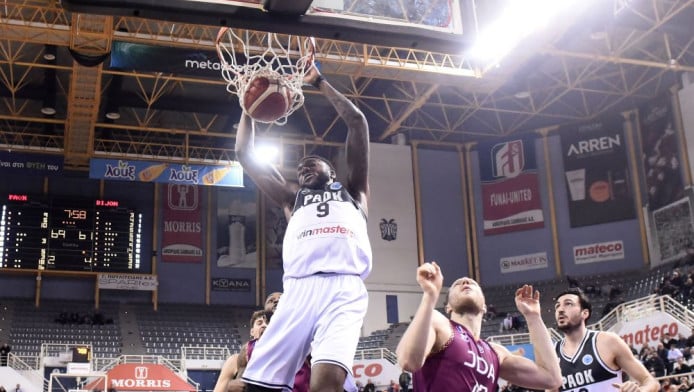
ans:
(648, 328)
(596, 172)
(661, 153)
(141, 377)
(182, 220)
(168, 173)
(30, 164)
(510, 188)
(151, 58)
(127, 282)
(602, 251)
(231, 284)
(379, 371)
(523, 262)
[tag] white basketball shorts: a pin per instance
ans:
(321, 315)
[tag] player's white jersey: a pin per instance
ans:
(326, 234)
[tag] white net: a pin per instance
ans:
(246, 55)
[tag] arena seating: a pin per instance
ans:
(171, 327)
(33, 326)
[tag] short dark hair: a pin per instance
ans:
(318, 157)
(582, 298)
(258, 314)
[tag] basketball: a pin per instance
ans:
(266, 100)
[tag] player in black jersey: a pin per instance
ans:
(593, 361)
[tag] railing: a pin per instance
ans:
(376, 353)
(624, 312)
(27, 370)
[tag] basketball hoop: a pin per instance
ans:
(246, 55)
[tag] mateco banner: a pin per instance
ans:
(647, 328)
(127, 282)
(523, 262)
(597, 252)
(379, 371)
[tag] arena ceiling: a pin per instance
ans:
(612, 56)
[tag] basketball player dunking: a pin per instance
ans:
(593, 361)
(326, 256)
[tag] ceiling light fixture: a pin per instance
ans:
(517, 21)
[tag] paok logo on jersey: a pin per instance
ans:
(508, 159)
(587, 359)
(389, 229)
(320, 197)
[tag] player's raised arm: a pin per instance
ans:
(357, 143)
(265, 175)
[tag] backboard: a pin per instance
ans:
(434, 25)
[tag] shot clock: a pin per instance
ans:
(69, 234)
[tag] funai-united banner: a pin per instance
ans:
(596, 172)
(170, 173)
(510, 189)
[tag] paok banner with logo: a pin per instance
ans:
(596, 172)
(510, 187)
(182, 220)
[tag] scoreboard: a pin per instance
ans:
(69, 234)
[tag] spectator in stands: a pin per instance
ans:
(506, 323)
(4, 353)
(655, 364)
(572, 282)
(404, 381)
(681, 367)
(572, 309)
(673, 354)
(18, 388)
(393, 387)
(447, 355)
(369, 387)
(491, 312)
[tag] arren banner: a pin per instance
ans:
(510, 189)
(596, 172)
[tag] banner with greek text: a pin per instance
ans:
(596, 172)
(510, 186)
(127, 282)
(30, 164)
(168, 173)
(182, 220)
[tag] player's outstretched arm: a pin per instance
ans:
(639, 377)
(227, 373)
(357, 144)
(265, 175)
(544, 373)
(420, 337)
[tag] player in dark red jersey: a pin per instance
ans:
(449, 355)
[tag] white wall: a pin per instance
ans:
(9, 378)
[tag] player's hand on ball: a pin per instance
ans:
(430, 278)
